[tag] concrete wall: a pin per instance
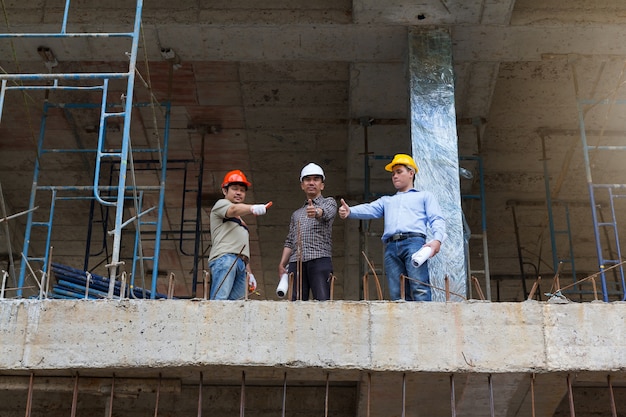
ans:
(374, 336)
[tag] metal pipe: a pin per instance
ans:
(182, 211)
(119, 213)
(198, 229)
(31, 203)
(532, 394)
(123, 286)
(285, 394)
(74, 397)
(520, 257)
(326, 397)
(592, 198)
(365, 281)
(242, 403)
(7, 233)
(200, 395)
(205, 284)
(159, 225)
(87, 282)
(546, 179)
(452, 396)
(48, 273)
(158, 396)
(5, 274)
(369, 394)
(111, 397)
(612, 396)
(2, 95)
(29, 397)
(491, 402)
(170, 286)
(570, 396)
(403, 394)
(299, 265)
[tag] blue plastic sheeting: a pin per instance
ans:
(71, 284)
(435, 147)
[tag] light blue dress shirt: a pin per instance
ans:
(405, 212)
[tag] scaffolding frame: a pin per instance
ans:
(613, 191)
(123, 155)
(482, 236)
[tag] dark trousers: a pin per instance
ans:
(315, 278)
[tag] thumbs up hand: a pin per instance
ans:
(312, 211)
(344, 209)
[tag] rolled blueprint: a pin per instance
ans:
(283, 286)
(419, 257)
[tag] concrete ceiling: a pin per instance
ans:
(267, 87)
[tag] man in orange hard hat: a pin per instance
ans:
(229, 259)
(308, 247)
(410, 215)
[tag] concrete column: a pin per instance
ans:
(434, 141)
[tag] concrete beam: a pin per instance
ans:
(448, 337)
(347, 43)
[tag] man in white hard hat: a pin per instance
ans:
(409, 216)
(230, 250)
(308, 246)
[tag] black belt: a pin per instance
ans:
(402, 236)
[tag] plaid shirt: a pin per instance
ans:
(315, 234)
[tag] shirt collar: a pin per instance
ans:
(315, 200)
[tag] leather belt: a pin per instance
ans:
(244, 258)
(402, 236)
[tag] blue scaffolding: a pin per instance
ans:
(608, 249)
(113, 196)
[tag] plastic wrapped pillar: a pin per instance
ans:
(435, 150)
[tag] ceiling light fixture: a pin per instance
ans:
(49, 60)
(170, 55)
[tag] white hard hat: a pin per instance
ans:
(312, 169)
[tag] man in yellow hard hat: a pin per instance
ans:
(410, 216)
(230, 251)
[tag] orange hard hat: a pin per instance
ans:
(235, 177)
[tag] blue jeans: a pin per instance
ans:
(231, 286)
(398, 261)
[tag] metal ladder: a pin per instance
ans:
(482, 236)
(599, 223)
(54, 81)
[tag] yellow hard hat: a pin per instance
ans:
(401, 159)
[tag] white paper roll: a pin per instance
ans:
(283, 286)
(419, 257)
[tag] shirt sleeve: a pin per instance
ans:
(329, 206)
(221, 207)
(290, 241)
(373, 210)
(435, 218)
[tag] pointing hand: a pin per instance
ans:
(260, 209)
